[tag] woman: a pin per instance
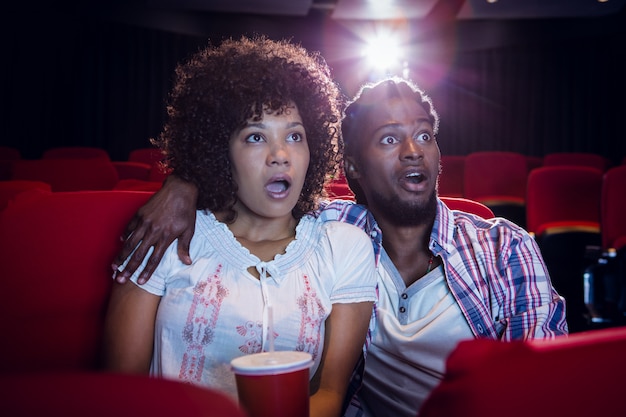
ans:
(253, 125)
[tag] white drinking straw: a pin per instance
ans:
(270, 327)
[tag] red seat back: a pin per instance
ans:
(577, 158)
(56, 252)
(470, 206)
(613, 210)
(132, 170)
(451, 177)
(75, 152)
(10, 189)
(107, 395)
(339, 189)
(580, 375)
(68, 174)
(145, 155)
(9, 153)
(153, 157)
(563, 197)
(494, 176)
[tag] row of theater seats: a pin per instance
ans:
(56, 249)
(573, 203)
(499, 174)
(569, 208)
(576, 215)
(499, 178)
(85, 168)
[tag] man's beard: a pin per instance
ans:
(404, 213)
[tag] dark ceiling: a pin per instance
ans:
(480, 23)
(395, 9)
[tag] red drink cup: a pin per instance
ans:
(273, 384)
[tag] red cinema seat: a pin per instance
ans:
(339, 189)
(106, 395)
(605, 280)
(563, 208)
(56, 252)
(140, 165)
(613, 208)
(145, 155)
(451, 177)
(467, 205)
(132, 170)
(152, 157)
(498, 180)
(8, 154)
(563, 198)
(580, 375)
(577, 159)
(11, 189)
(68, 174)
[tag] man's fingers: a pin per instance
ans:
(130, 243)
(183, 247)
(134, 261)
(153, 262)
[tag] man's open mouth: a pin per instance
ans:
(415, 177)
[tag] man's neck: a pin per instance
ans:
(407, 246)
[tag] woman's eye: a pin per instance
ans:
(424, 136)
(388, 140)
(295, 137)
(254, 138)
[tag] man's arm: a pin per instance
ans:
(170, 214)
(537, 310)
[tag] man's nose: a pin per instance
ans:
(411, 149)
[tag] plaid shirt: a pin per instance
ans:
(494, 270)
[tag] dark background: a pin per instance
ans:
(96, 74)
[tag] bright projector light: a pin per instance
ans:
(383, 53)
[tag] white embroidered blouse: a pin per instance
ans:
(214, 310)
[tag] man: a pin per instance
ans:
(443, 276)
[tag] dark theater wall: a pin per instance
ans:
(97, 78)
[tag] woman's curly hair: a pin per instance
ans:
(366, 100)
(219, 88)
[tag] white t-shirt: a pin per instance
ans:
(214, 310)
(416, 329)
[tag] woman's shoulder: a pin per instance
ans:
(211, 234)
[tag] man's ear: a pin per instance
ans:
(351, 169)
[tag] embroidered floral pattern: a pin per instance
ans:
(253, 332)
(312, 316)
(198, 331)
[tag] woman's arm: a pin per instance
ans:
(129, 329)
(346, 328)
(170, 214)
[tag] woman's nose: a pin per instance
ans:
(279, 155)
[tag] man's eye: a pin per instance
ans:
(424, 136)
(388, 140)
(254, 138)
